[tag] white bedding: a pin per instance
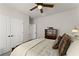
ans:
(38, 47)
(73, 50)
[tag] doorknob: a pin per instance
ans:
(9, 36)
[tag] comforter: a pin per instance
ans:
(38, 47)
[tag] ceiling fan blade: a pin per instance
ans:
(41, 10)
(48, 5)
(33, 8)
(39, 3)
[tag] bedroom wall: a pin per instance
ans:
(63, 21)
(30, 26)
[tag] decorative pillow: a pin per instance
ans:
(57, 43)
(63, 35)
(64, 44)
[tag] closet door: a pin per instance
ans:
(8, 29)
(33, 31)
(4, 32)
(16, 32)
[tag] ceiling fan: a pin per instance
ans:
(41, 5)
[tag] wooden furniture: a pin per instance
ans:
(51, 33)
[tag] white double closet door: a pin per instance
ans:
(11, 33)
(16, 32)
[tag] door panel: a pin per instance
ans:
(8, 29)
(16, 32)
(33, 31)
(4, 31)
(9, 26)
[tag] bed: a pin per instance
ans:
(73, 49)
(37, 47)
(47, 46)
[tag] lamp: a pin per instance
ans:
(75, 32)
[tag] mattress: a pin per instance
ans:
(37, 47)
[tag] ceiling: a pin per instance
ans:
(25, 8)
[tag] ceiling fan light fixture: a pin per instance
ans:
(40, 6)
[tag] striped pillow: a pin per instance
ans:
(64, 44)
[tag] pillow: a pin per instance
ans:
(64, 44)
(57, 43)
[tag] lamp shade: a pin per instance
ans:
(75, 30)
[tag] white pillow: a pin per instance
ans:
(73, 50)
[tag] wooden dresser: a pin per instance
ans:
(51, 33)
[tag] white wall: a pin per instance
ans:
(63, 21)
